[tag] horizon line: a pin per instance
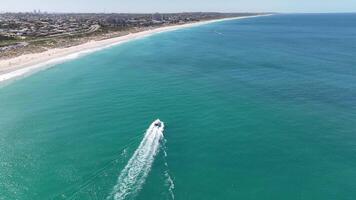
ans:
(178, 12)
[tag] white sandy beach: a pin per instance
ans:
(26, 64)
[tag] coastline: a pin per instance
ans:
(27, 64)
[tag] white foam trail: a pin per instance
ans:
(170, 184)
(169, 180)
(133, 176)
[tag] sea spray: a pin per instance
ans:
(169, 180)
(133, 176)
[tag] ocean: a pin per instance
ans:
(259, 108)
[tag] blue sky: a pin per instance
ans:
(179, 5)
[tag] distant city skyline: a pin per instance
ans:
(145, 6)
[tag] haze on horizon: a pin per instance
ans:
(145, 6)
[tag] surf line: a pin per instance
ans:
(134, 174)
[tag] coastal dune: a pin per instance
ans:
(29, 63)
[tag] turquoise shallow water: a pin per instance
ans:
(260, 108)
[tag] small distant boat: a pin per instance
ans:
(158, 123)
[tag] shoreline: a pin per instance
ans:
(27, 64)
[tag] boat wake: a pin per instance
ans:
(169, 180)
(133, 176)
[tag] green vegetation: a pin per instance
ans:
(5, 40)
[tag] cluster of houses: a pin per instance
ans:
(13, 46)
(37, 24)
